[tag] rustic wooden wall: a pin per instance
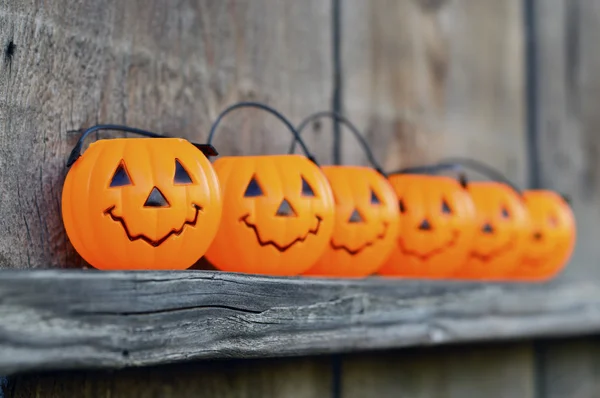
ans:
(570, 368)
(429, 79)
(152, 64)
(296, 377)
(424, 78)
(485, 370)
(448, 372)
(568, 99)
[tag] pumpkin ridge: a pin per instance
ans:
(94, 158)
(428, 255)
(381, 236)
(272, 243)
(175, 232)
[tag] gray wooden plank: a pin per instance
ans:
(567, 117)
(154, 64)
(70, 319)
(493, 371)
(569, 368)
(432, 79)
(567, 101)
(290, 377)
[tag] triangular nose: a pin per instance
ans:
(355, 217)
(487, 228)
(425, 225)
(285, 209)
(156, 199)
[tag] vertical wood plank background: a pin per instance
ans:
(568, 82)
(296, 377)
(424, 79)
(567, 93)
(442, 372)
(430, 79)
(155, 64)
(568, 368)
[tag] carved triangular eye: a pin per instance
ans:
(446, 207)
(253, 189)
(306, 189)
(374, 198)
(121, 177)
(181, 174)
(401, 206)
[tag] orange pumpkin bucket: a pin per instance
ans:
(551, 239)
(279, 211)
(140, 203)
(501, 221)
(366, 214)
(437, 224)
(523, 235)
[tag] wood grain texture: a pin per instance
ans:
(569, 368)
(71, 319)
(568, 144)
(156, 64)
(293, 377)
(494, 371)
(568, 83)
(431, 79)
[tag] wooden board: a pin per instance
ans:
(568, 368)
(146, 63)
(565, 104)
(568, 100)
(294, 378)
(425, 79)
(492, 371)
(72, 319)
(431, 79)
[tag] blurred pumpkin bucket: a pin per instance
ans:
(552, 237)
(366, 214)
(437, 224)
(526, 235)
(501, 225)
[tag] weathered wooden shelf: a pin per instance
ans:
(76, 319)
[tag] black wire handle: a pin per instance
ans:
(485, 170)
(495, 175)
(427, 169)
(206, 149)
(461, 163)
(340, 118)
(434, 169)
(267, 108)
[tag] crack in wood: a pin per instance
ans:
(71, 319)
(166, 311)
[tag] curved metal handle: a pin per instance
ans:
(347, 123)
(266, 108)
